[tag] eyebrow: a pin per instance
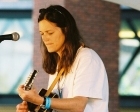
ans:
(47, 30)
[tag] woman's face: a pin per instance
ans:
(52, 36)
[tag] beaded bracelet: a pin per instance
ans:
(48, 103)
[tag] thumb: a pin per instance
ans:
(20, 105)
(24, 102)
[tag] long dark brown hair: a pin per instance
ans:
(63, 19)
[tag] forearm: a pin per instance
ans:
(76, 104)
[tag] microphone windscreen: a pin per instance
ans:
(15, 36)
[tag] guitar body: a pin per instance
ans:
(32, 107)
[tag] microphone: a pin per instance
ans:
(14, 36)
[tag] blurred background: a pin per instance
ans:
(16, 58)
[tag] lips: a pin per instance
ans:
(48, 43)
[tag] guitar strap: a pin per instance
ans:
(54, 82)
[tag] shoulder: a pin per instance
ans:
(87, 58)
(87, 52)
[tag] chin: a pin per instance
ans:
(51, 51)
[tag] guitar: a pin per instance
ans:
(32, 107)
(28, 85)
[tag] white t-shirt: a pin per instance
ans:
(87, 78)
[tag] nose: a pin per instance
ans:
(45, 37)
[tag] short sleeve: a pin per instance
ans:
(90, 75)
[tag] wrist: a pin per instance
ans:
(41, 100)
(46, 103)
(43, 104)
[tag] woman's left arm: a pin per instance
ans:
(76, 104)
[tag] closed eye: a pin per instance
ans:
(50, 33)
(41, 33)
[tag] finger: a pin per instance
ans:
(19, 106)
(24, 103)
(22, 106)
(33, 89)
(20, 88)
(22, 111)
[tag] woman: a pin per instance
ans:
(83, 87)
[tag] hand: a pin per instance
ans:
(30, 95)
(22, 107)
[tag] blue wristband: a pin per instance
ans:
(48, 103)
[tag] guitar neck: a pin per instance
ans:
(30, 80)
